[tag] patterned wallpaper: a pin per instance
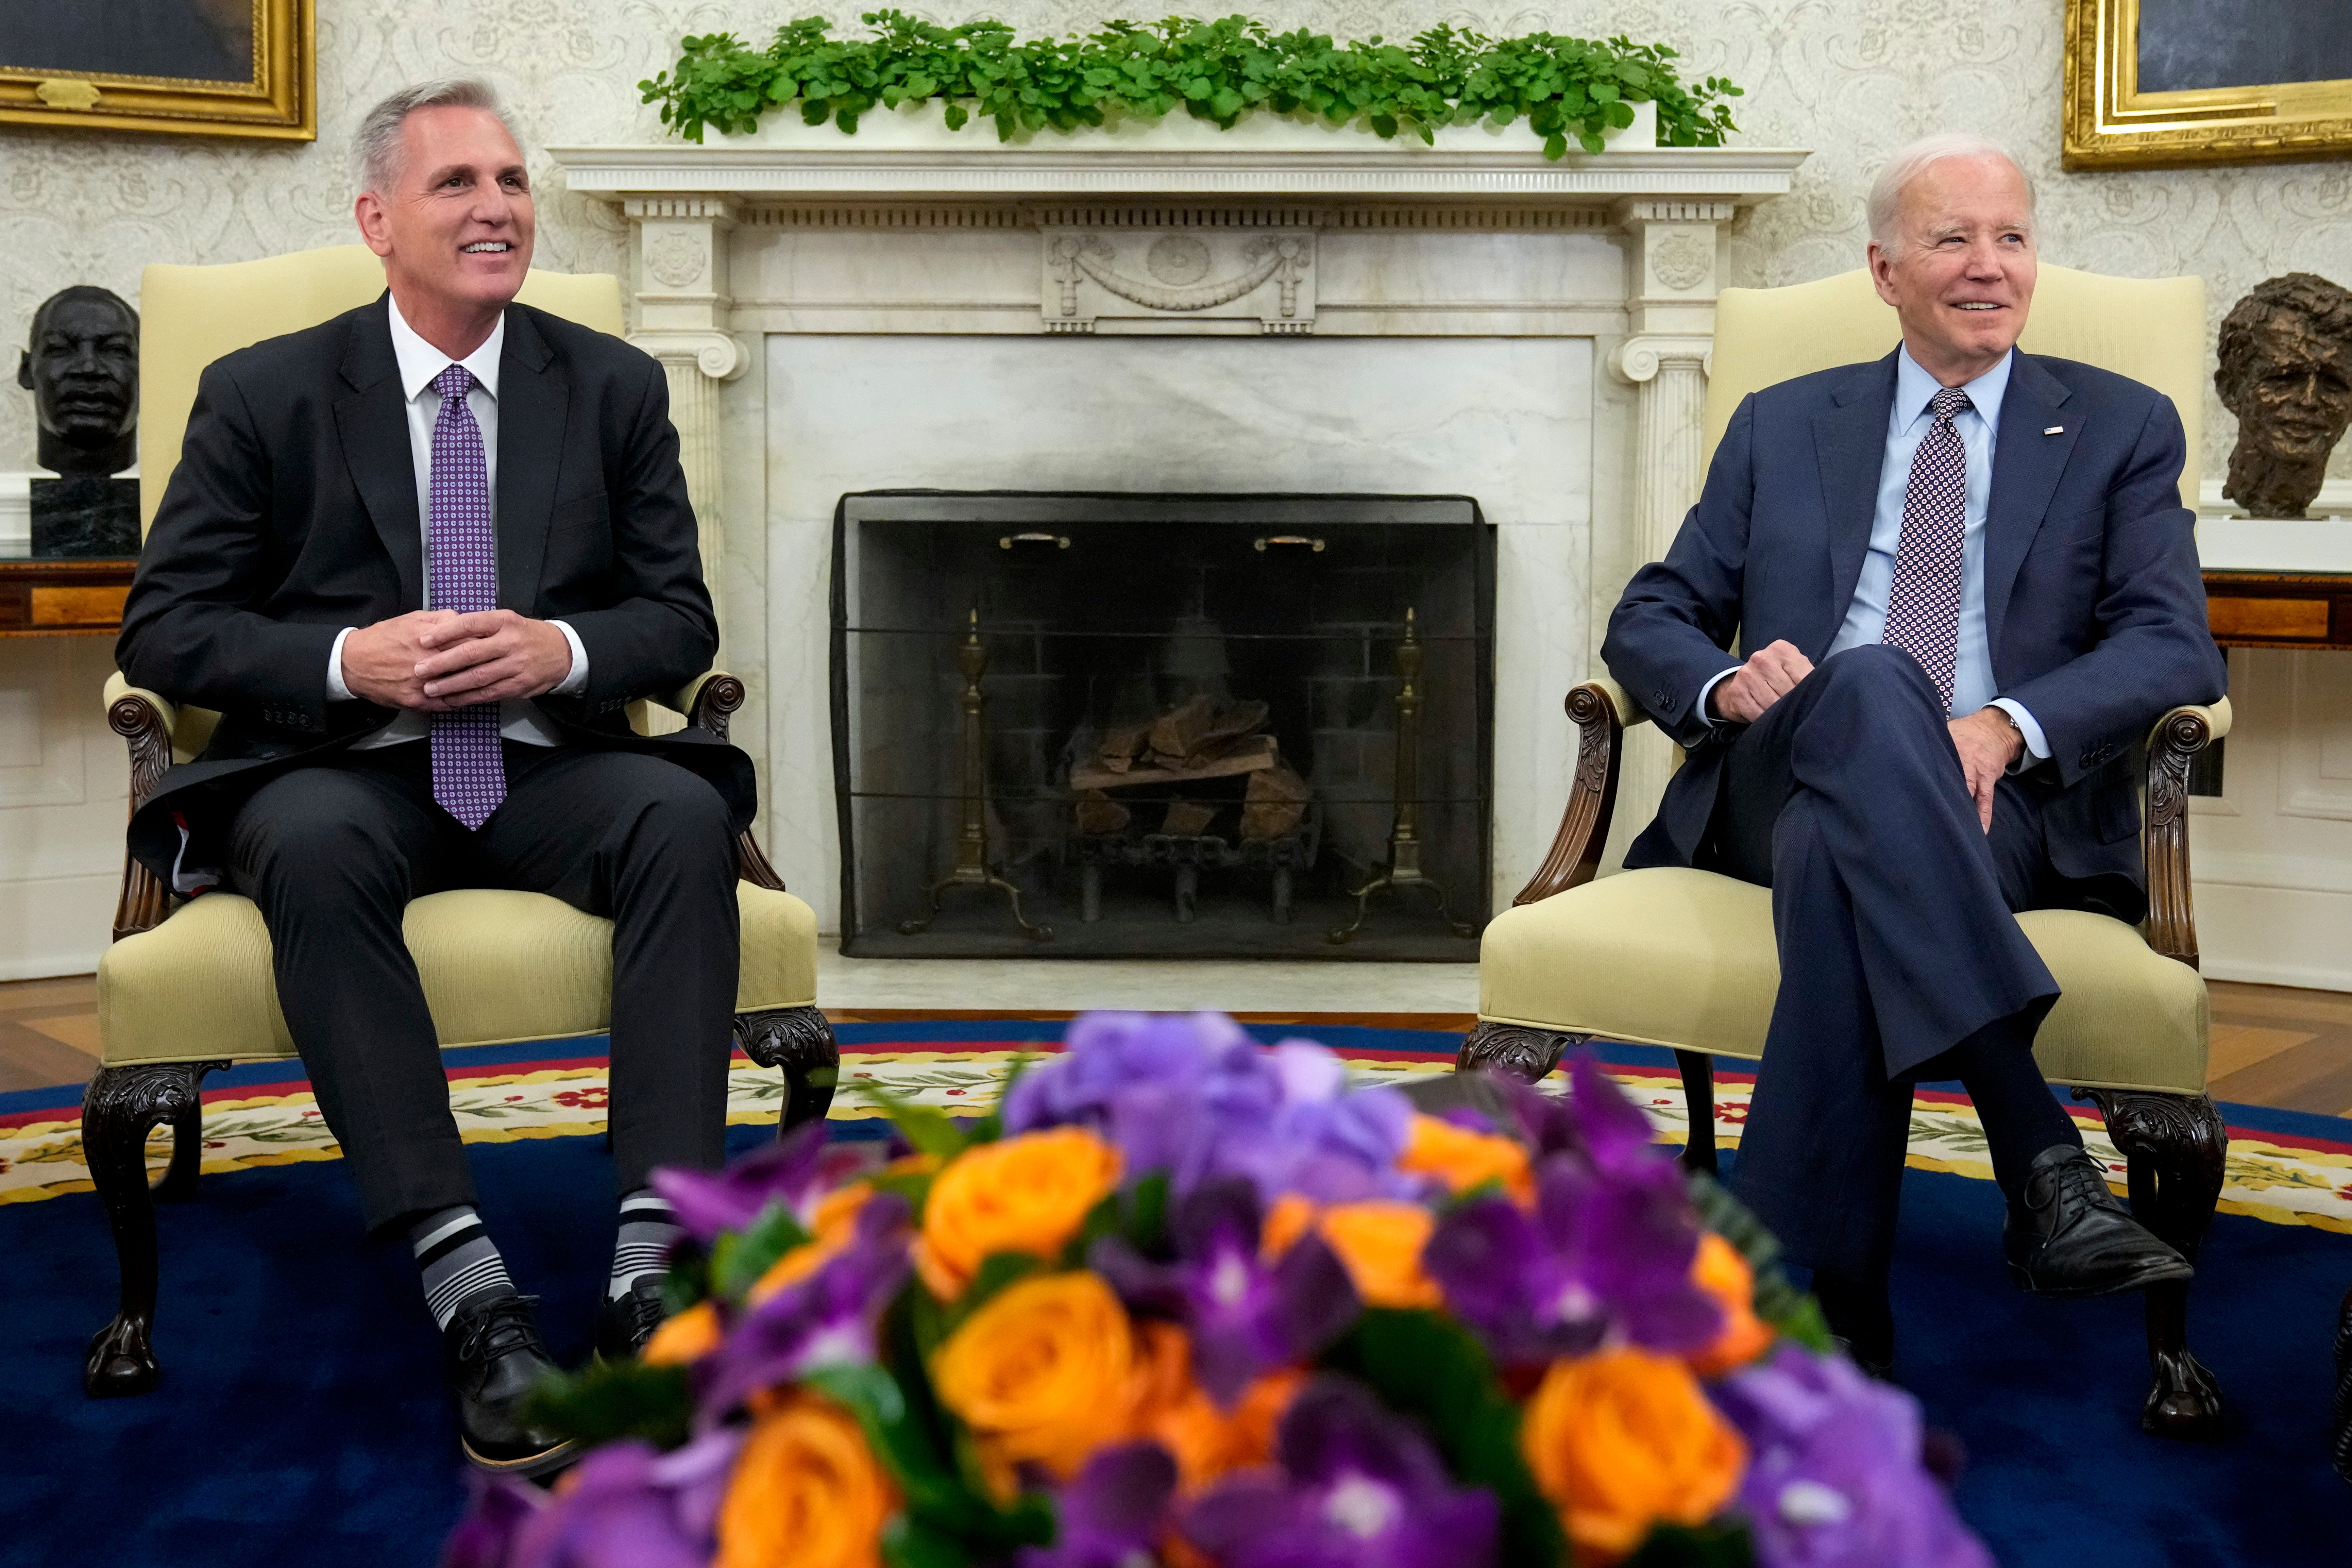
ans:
(1850, 78)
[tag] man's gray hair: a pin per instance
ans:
(1909, 163)
(377, 150)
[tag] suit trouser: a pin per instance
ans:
(333, 852)
(1891, 908)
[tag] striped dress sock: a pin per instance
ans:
(649, 1228)
(459, 1261)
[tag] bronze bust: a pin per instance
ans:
(82, 367)
(2287, 374)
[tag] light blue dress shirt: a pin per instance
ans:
(1865, 619)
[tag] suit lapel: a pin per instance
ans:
(534, 396)
(371, 422)
(2026, 465)
(1850, 443)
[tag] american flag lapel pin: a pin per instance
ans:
(2053, 430)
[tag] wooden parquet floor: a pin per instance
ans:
(2272, 1045)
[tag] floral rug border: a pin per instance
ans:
(2279, 1183)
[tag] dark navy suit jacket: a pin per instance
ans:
(2095, 610)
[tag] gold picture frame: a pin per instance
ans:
(278, 100)
(2110, 123)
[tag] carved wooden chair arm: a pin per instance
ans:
(708, 702)
(144, 721)
(1601, 711)
(2180, 735)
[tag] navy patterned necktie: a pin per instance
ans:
(1923, 602)
(469, 773)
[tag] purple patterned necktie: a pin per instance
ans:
(1923, 602)
(469, 773)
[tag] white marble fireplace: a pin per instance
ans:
(1279, 308)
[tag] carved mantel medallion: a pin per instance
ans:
(1212, 279)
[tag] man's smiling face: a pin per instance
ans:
(1960, 267)
(454, 232)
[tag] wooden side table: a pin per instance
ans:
(48, 597)
(2280, 609)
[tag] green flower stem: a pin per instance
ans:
(1567, 89)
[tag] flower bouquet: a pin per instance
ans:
(1188, 1301)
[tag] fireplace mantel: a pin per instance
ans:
(1276, 229)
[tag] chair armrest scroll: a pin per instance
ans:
(144, 721)
(2178, 736)
(706, 701)
(1598, 710)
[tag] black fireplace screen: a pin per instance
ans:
(1094, 726)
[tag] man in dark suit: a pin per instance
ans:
(420, 558)
(1968, 589)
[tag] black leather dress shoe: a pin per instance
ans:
(2066, 1236)
(495, 1358)
(628, 1321)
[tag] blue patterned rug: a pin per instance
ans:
(300, 1417)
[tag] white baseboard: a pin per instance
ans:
(2307, 977)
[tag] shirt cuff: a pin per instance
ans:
(1709, 690)
(336, 690)
(2037, 745)
(573, 684)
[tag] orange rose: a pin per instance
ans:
(689, 1336)
(1463, 1159)
(1047, 1370)
(1207, 1442)
(832, 1227)
(1291, 1217)
(1723, 1274)
(1023, 1194)
(1380, 1243)
(806, 1492)
(1621, 1439)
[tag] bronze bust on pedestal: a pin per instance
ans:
(2287, 374)
(82, 367)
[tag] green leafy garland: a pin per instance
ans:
(1568, 88)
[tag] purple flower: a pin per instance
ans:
(1360, 1488)
(1834, 1477)
(1195, 1097)
(827, 1319)
(787, 1172)
(1113, 1514)
(497, 1510)
(1243, 1316)
(1607, 1252)
(627, 1506)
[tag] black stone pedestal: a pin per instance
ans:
(86, 515)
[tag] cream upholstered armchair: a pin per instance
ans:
(1686, 959)
(187, 987)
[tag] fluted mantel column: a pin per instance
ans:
(679, 265)
(1670, 300)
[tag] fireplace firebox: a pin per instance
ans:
(1089, 725)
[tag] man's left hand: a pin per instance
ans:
(488, 656)
(1988, 744)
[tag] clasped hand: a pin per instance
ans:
(431, 661)
(1985, 740)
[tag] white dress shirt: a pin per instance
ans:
(420, 363)
(1907, 424)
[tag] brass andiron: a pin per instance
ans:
(971, 844)
(1405, 840)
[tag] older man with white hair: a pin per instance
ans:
(421, 557)
(1966, 588)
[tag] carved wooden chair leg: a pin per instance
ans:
(178, 1182)
(2340, 1449)
(800, 1041)
(1699, 1105)
(122, 1104)
(1509, 1047)
(2177, 1147)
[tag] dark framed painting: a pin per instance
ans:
(2169, 83)
(211, 68)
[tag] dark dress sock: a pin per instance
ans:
(2021, 1115)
